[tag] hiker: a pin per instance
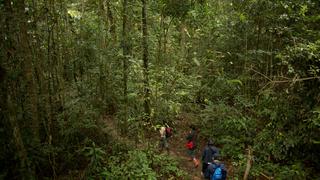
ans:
(216, 171)
(191, 145)
(165, 133)
(210, 152)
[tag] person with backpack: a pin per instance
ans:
(165, 133)
(210, 153)
(191, 145)
(217, 171)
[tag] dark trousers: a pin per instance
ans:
(204, 170)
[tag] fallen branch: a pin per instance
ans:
(261, 74)
(265, 176)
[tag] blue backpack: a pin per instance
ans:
(217, 175)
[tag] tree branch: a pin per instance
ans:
(284, 81)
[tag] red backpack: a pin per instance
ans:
(168, 132)
(190, 145)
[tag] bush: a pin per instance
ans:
(139, 164)
(134, 165)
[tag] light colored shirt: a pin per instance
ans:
(162, 132)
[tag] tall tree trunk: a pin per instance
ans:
(26, 53)
(145, 60)
(103, 26)
(126, 48)
(53, 82)
(182, 41)
(8, 107)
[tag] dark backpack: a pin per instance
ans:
(168, 132)
(215, 152)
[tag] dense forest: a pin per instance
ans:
(86, 84)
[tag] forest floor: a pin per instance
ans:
(178, 150)
(176, 144)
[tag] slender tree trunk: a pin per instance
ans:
(246, 88)
(159, 54)
(112, 23)
(271, 55)
(53, 81)
(103, 26)
(126, 48)
(183, 40)
(165, 39)
(145, 58)
(50, 82)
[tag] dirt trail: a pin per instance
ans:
(176, 144)
(178, 151)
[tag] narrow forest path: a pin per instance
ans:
(176, 144)
(178, 150)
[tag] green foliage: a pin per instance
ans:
(79, 130)
(228, 127)
(295, 171)
(166, 166)
(139, 164)
(78, 120)
(302, 59)
(315, 120)
(232, 148)
(171, 90)
(176, 8)
(97, 158)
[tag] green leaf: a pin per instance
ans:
(315, 142)
(242, 17)
(196, 61)
(235, 81)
